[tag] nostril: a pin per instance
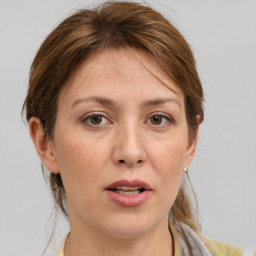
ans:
(121, 161)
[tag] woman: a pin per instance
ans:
(114, 105)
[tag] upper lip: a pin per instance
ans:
(129, 183)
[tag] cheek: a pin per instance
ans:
(77, 161)
(168, 166)
(76, 153)
(169, 158)
(79, 169)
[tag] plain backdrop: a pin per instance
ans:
(222, 34)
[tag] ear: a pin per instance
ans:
(192, 147)
(44, 146)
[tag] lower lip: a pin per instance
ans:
(131, 200)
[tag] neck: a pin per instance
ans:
(83, 242)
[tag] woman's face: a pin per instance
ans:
(120, 144)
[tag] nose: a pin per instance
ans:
(129, 146)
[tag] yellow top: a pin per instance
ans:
(215, 248)
(61, 249)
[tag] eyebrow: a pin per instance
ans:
(159, 101)
(100, 100)
(111, 103)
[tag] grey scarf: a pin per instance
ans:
(198, 248)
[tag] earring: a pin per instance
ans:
(185, 169)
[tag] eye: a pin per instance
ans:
(156, 120)
(95, 120)
(160, 120)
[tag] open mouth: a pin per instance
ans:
(128, 191)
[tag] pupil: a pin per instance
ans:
(157, 120)
(96, 119)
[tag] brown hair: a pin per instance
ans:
(112, 25)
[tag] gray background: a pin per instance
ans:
(222, 34)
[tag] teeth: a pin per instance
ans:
(128, 193)
(128, 188)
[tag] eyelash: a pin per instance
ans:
(169, 120)
(87, 120)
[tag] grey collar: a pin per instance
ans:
(198, 247)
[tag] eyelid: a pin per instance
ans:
(91, 114)
(170, 120)
(168, 117)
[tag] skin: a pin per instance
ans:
(127, 143)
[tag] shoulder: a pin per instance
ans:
(203, 245)
(217, 248)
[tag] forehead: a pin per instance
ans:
(116, 71)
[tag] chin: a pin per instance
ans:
(130, 226)
(127, 233)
